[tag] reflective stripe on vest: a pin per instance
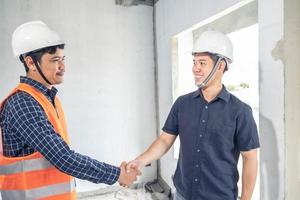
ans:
(25, 165)
(39, 193)
(33, 177)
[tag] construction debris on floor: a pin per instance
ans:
(137, 192)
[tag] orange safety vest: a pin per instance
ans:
(32, 176)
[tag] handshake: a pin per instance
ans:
(129, 172)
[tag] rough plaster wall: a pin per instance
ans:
(291, 48)
(172, 17)
(270, 20)
(108, 93)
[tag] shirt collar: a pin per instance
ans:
(224, 94)
(49, 93)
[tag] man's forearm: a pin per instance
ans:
(248, 177)
(157, 149)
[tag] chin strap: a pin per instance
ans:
(22, 58)
(212, 72)
(40, 71)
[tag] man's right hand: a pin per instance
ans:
(127, 178)
(136, 165)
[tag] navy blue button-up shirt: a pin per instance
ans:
(26, 129)
(211, 137)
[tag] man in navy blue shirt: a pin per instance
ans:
(24, 124)
(214, 128)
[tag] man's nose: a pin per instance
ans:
(61, 65)
(197, 67)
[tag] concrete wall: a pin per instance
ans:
(108, 93)
(271, 99)
(173, 17)
(279, 98)
(291, 59)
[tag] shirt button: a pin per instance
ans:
(203, 120)
(198, 150)
(200, 135)
(197, 165)
(206, 107)
(196, 180)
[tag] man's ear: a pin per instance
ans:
(222, 65)
(30, 64)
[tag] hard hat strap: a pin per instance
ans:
(40, 71)
(212, 72)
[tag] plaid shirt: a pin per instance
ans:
(26, 129)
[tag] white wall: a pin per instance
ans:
(271, 99)
(173, 17)
(108, 93)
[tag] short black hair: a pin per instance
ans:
(215, 58)
(37, 54)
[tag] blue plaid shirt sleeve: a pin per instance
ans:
(30, 124)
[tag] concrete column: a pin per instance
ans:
(292, 97)
(271, 100)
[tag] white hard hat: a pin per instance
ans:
(216, 43)
(32, 36)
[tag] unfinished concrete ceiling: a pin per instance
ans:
(135, 2)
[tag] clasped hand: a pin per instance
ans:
(128, 174)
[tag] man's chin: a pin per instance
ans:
(57, 82)
(198, 83)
